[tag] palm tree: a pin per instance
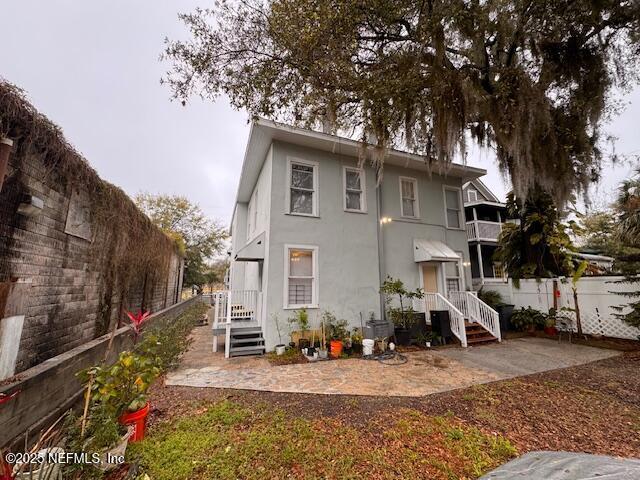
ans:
(628, 256)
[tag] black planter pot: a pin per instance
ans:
(403, 336)
(303, 343)
(505, 311)
(357, 348)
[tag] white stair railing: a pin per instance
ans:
(477, 311)
(435, 301)
(230, 306)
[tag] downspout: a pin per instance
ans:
(6, 144)
(381, 269)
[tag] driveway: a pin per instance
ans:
(425, 372)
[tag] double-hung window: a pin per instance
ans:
(472, 195)
(302, 198)
(301, 276)
(354, 190)
(452, 207)
(409, 197)
(452, 275)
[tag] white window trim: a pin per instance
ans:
(314, 205)
(415, 192)
(460, 207)
(314, 290)
(363, 189)
(469, 192)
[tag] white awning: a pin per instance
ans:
(433, 251)
(252, 251)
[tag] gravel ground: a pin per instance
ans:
(592, 408)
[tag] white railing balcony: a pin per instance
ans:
(235, 305)
(481, 230)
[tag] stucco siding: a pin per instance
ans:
(347, 246)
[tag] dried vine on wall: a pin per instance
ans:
(127, 248)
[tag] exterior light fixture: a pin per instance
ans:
(466, 264)
(384, 220)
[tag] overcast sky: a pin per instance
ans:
(93, 68)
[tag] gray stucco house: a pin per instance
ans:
(310, 229)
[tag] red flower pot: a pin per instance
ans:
(550, 330)
(139, 421)
(336, 348)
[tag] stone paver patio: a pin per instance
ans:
(426, 372)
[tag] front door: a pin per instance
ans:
(430, 278)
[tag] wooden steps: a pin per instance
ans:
(476, 334)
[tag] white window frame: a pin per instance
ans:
(475, 193)
(459, 274)
(416, 200)
(315, 277)
(315, 197)
(458, 190)
(363, 189)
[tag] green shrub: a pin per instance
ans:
(524, 318)
(491, 298)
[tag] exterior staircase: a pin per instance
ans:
(245, 340)
(477, 334)
(236, 315)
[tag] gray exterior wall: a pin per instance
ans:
(348, 268)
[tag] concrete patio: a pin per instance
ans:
(426, 372)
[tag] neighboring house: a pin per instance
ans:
(484, 214)
(310, 229)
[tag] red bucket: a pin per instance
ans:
(139, 421)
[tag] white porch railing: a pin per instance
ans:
(435, 301)
(231, 306)
(477, 311)
(483, 230)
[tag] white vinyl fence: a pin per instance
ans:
(596, 298)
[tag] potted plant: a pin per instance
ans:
(301, 319)
(527, 319)
(337, 330)
(99, 433)
(280, 348)
(401, 313)
(122, 389)
(356, 341)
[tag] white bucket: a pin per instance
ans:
(367, 346)
(280, 349)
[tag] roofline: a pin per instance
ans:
(331, 143)
(485, 202)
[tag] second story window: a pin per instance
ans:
(354, 192)
(472, 195)
(302, 188)
(452, 207)
(409, 197)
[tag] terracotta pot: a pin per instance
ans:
(550, 330)
(336, 348)
(139, 421)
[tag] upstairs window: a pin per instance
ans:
(409, 197)
(302, 198)
(354, 192)
(472, 195)
(301, 277)
(452, 206)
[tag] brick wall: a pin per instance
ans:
(71, 296)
